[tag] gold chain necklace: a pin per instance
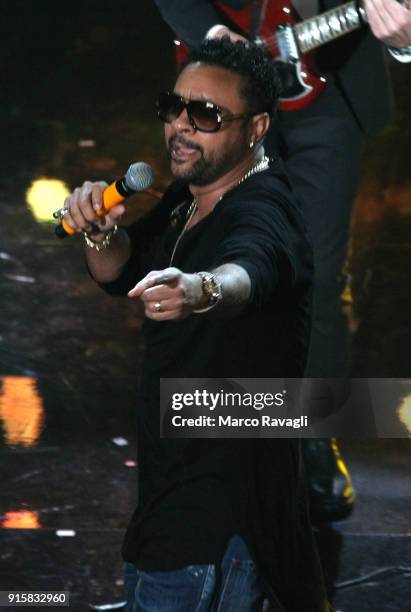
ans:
(258, 167)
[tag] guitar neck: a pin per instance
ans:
(328, 26)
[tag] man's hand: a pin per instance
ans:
(389, 21)
(82, 206)
(169, 294)
(218, 31)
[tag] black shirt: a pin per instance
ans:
(194, 494)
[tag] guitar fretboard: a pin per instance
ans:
(323, 28)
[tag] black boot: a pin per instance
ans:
(330, 490)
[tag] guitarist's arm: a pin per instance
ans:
(191, 19)
(390, 22)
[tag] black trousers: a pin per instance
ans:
(322, 147)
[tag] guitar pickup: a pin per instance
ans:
(287, 44)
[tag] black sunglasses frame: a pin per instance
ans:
(190, 106)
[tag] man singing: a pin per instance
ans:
(224, 269)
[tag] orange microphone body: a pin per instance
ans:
(139, 177)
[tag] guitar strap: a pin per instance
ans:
(256, 17)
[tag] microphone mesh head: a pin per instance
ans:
(139, 176)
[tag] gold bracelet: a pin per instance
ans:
(100, 246)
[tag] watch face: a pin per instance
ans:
(211, 287)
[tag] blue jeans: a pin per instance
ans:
(193, 588)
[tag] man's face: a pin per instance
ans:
(198, 157)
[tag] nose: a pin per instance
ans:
(182, 122)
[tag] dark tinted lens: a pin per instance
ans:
(169, 106)
(204, 115)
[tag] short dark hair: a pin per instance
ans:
(260, 77)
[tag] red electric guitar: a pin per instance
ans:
(291, 42)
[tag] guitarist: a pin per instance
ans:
(322, 147)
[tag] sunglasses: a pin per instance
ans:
(203, 116)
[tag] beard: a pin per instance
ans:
(206, 168)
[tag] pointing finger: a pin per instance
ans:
(145, 283)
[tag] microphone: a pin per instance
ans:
(139, 177)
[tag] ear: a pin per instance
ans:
(259, 127)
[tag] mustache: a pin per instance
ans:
(180, 140)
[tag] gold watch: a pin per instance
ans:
(211, 289)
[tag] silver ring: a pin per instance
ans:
(58, 214)
(157, 307)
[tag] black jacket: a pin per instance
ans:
(356, 60)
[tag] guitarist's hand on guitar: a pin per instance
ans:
(390, 21)
(218, 31)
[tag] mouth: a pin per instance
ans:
(182, 153)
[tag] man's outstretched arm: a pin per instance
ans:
(171, 294)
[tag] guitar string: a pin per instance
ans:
(271, 41)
